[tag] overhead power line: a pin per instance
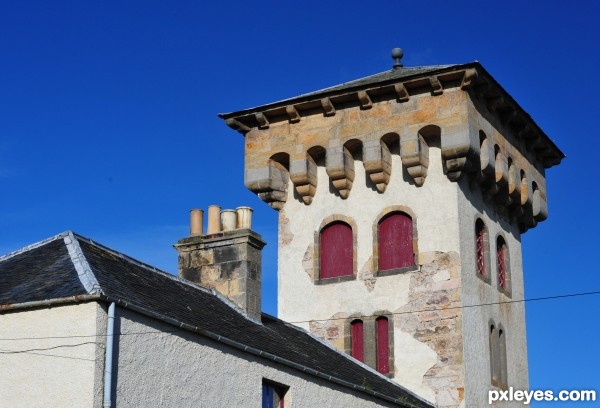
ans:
(543, 298)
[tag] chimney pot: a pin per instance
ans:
(244, 217)
(196, 222)
(228, 220)
(214, 219)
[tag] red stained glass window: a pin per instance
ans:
(501, 259)
(480, 247)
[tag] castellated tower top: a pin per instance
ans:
(485, 137)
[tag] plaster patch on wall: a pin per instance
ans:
(285, 234)
(331, 330)
(435, 319)
(307, 261)
(366, 275)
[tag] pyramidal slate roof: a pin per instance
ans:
(71, 268)
(404, 73)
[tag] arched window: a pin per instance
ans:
(383, 345)
(502, 263)
(336, 250)
(482, 261)
(395, 238)
(357, 340)
(498, 362)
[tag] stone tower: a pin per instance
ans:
(402, 198)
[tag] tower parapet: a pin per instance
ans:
(484, 135)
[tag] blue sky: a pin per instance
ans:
(108, 123)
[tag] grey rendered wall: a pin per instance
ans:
(476, 291)
(162, 368)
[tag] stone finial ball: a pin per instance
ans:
(397, 53)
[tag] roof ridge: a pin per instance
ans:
(84, 271)
(34, 245)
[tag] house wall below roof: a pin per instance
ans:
(168, 367)
(64, 365)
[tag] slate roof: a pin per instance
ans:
(381, 78)
(68, 266)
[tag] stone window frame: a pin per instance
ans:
(370, 338)
(415, 241)
(508, 275)
(487, 278)
(317, 280)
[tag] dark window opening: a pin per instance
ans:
(273, 395)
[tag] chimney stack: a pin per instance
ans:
(227, 258)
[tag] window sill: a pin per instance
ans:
(337, 279)
(397, 271)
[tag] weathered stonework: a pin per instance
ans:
(433, 316)
(228, 262)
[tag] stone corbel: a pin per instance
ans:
(365, 100)
(415, 156)
(401, 92)
(303, 174)
(525, 200)
(457, 148)
(436, 85)
(263, 122)
(488, 168)
(328, 108)
(502, 178)
(237, 125)
(270, 183)
(469, 78)
(514, 187)
(340, 169)
(377, 160)
(292, 114)
(540, 205)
